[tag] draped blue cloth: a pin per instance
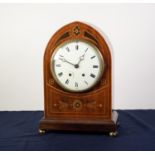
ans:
(19, 131)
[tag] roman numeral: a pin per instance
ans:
(67, 81)
(86, 82)
(86, 50)
(76, 84)
(67, 48)
(60, 74)
(92, 75)
(93, 57)
(95, 66)
(58, 65)
(77, 47)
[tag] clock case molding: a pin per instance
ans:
(86, 111)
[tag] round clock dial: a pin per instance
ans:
(77, 65)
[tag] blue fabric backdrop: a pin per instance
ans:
(19, 131)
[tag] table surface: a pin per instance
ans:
(19, 131)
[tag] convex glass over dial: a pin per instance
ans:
(77, 65)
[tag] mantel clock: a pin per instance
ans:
(77, 82)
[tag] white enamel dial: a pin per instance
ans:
(77, 65)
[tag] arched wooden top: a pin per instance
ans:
(78, 30)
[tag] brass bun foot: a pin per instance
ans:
(113, 134)
(41, 131)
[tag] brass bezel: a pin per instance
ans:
(98, 53)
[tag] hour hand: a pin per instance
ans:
(82, 57)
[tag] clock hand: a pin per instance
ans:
(81, 57)
(64, 60)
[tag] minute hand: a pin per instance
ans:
(64, 60)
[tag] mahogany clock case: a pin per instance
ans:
(83, 111)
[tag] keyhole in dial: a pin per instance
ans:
(83, 74)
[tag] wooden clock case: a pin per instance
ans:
(86, 111)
